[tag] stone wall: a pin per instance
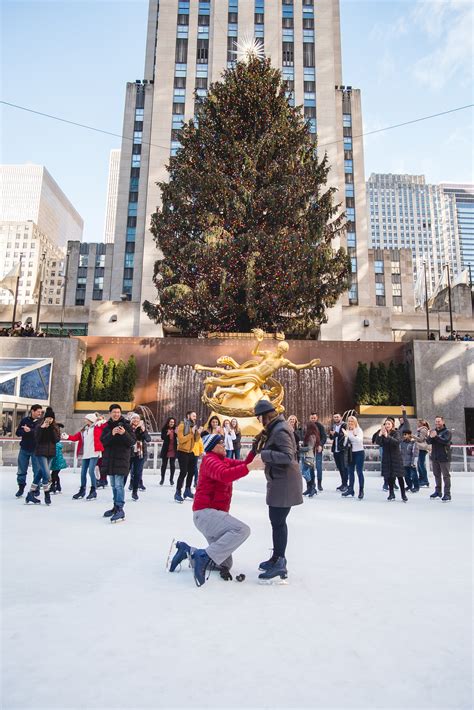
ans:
(68, 355)
(445, 382)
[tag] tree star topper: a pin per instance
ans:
(249, 48)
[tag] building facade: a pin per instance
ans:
(112, 193)
(29, 193)
(41, 264)
(464, 199)
(188, 46)
(407, 213)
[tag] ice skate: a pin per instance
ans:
(21, 490)
(201, 562)
(47, 498)
(109, 513)
(80, 493)
(178, 497)
(32, 498)
(182, 552)
(118, 516)
(276, 573)
(92, 494)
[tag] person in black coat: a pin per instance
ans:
(392, 463)
(168, 449)
(117, 438)
(440, 440)
(26, 453)
(47, 435)
(139, 453)
(337, 436)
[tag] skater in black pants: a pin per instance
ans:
(168, 449)
(277, 446)
(139, 453)
(187, 433)
(337, 436)
(392, 464)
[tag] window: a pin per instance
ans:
(288, 54)
(202, 51)
(129, 261)
(178, 109)
(83, 260)
(308, 54)
(378, 267)
(346, 120)
(181, 54)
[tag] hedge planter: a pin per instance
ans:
(374, 410)
(101, 406)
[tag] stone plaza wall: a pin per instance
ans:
(445, 382)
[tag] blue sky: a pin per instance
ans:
(73, 58)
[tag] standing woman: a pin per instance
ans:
(297, 430)
(238, 436)
(90, 446)
(392, 464)
(277, 446)
(355, 438)
(57, 464)
(46, 438)
(139, 451)
(422, 446)
(168, 450)
(229, 436)
(308, 450)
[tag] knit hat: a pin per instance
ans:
(91, 418)
(49, 413)
(263, 406)
(211, 440)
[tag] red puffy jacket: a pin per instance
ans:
(98, 445)
(214, 488)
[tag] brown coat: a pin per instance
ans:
(282, 471)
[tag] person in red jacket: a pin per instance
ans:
(211, 504)
(91, 447)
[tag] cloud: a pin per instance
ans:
(449, 25)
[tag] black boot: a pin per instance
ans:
(436, 494)
(47, 498)
(21, 490)
(32, 498)
(109, 513)
(446, 497)
(308, 488)
(392, 494)
(348, 492)
(320, 485)
(80, 494)
(58, 485)
(361, 494)
(92, 494)
(134, 495)
(162, 480)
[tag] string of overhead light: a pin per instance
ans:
(163, 147)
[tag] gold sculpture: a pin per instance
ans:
(233, 391)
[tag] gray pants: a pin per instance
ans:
(441, 468)
(223, 533)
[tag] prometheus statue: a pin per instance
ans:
(233, 390)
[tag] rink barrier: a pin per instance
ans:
(462, 458)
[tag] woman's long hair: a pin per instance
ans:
(311, 430)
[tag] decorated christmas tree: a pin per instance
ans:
(247, 222)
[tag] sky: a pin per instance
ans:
(72, 59)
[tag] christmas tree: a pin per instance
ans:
(247, 222)
(362, 387)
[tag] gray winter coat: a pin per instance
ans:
(284, 481)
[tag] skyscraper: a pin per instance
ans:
(112, 193)
(406, 213)
(464, 199)
(188, 46)
(36, 221)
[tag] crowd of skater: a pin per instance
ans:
(209, 459)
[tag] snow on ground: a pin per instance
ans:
(377, 613)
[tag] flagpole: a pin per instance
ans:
(17, 288)
(40, 291)
(449, 302)
(426, 304)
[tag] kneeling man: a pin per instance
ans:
(211, 504)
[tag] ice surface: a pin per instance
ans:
(378, 612)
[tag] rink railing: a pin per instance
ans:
(462, 457)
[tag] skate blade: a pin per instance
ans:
(121, 520)
(278, 581)
(168, 559)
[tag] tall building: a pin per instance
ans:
(188, 46)
(112, 193)
(406, 213)
(29, 193)
(464, 198)
(36, 221)
(41, 260)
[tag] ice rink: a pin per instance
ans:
(377, 612)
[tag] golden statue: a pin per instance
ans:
(234, 390)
